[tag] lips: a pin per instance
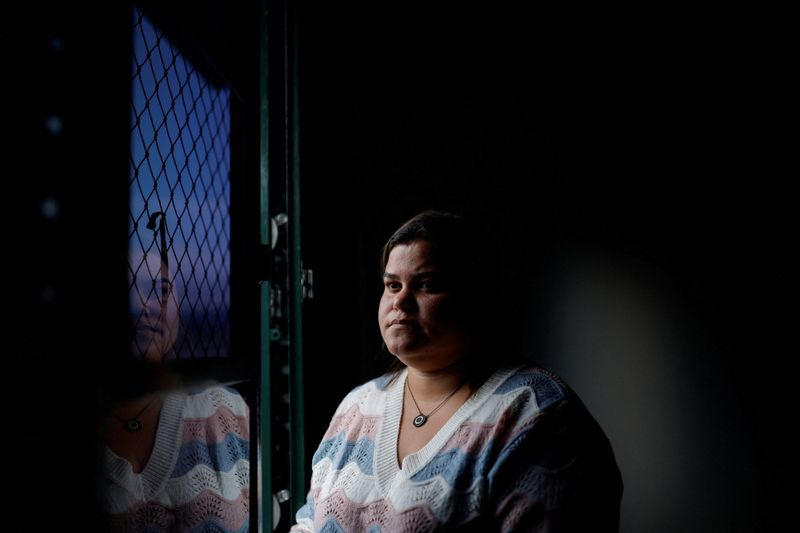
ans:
(402, 322)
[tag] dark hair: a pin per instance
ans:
(459, 250)
(452, 241)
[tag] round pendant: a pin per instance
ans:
(133, 425)
(420, 420)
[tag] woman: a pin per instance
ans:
(455, 437)
(175, 458)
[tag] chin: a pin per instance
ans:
(412, 357)
(427, 361)
(402, 347)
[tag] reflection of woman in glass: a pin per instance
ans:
(154, 308)
(175, 460)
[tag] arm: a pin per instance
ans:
(305, 517)
(556, 474)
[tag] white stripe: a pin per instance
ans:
(357, 486)
(206, 404)
(360, 489)
(179, 491)
(367, 397)
(438, 495)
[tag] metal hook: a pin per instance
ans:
(162, 229)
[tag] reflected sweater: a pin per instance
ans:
(521, 454)
(198, 475)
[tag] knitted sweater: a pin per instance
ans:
(198, 475)
(521, 454)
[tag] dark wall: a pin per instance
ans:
(627, 163)
(65, 244)
(67, 169)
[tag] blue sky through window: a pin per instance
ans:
(180, 166)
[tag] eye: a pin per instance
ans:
(429, 285)
(392, 285)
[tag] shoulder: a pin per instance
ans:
(535, 406)
(539, 388)
(367, 395)
(357, 417)
(215, 418)
(546, 422)
(203, 402)
(554, 454)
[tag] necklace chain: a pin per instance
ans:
(421, 418)
(132, 424)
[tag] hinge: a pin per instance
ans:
(308, 284)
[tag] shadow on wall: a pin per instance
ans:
(644, 365)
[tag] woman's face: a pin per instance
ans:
(154, 310)
(417, 315)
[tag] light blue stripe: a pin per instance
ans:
(220, 456)
(546, 389)
(332, 526)
(307, 510)
(459, 469)
(341, 451)
(382, 381)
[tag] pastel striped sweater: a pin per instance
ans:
(521, 454)
(198, 475)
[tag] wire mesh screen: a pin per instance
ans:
(179, 230)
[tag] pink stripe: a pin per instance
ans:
(537, 488)
(472, 437)
(214, 428)
(208, 505)
(359, 517)
(509, 425)
(514, 507)
(355, 424)
(520, 427)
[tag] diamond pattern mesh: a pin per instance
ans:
(179, 226)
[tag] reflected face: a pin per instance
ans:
(417, 315)
(154, 308)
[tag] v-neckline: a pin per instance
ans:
(386, 466)
(151, 479)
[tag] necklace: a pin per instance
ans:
(132, 425)
(420, 419)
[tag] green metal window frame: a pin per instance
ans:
(280, 191)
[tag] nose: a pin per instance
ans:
(404, 300)
(146, 306)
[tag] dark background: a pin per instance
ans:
(627, 163)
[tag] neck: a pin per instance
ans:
(132, 406)
(433, 385)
